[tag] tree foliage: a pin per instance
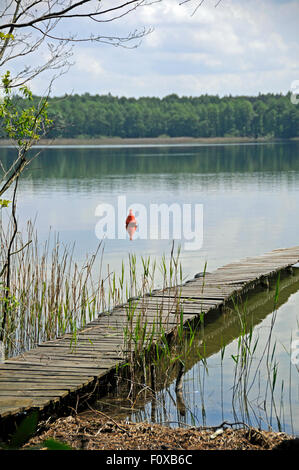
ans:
(23, 120)
(90, 116)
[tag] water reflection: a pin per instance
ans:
(95, 164)
(180, 404)
(249, 193)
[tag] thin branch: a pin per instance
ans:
(22, 248)
(63, 14)
(108, 417)
(14, 176)
(115, 40)
(11, 29)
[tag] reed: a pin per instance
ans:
(148, 339)
(50, 295)
(255, 395)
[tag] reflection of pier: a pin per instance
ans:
(54, 373)
(220, 329)
(224, 327)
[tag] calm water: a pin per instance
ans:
(250, 196)
(250, 199)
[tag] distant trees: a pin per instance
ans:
(204, 116)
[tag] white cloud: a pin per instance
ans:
(90, 64)
(236, 48)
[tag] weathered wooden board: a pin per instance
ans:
(54, 379)
(35, 393)
(41, 386)
(56, 368)
(67, 363)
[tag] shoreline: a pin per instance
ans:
(112, 141)
(93, 430)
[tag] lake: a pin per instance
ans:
(249, 197)
(249, 193)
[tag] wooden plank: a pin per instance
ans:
(58, 358)
(53, 394)
(91, 340)
(79, 348)
(16, 402)
(151, 319)
(69, 364)
(11, 410)
(200, 299)
(51, 380)
(42, 386)
(191, 296)
(56, 352)
(82, 347)
(93, 371)
(47, 370)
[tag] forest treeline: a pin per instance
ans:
(94, 116)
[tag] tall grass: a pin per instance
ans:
(51, 294)
(146, 331)
(256, 371)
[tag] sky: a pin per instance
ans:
(240, 47)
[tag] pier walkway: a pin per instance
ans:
(58, 370)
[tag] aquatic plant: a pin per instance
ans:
(49, 293)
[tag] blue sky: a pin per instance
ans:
(240, 47)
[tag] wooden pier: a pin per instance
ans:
(59, 372)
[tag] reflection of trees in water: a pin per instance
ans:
(96, 163)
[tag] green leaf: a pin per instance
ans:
(25, 125)
(277, 289)
(235, 358)
(25, 430)
(51, 444)
(4, 202)
(4, 36)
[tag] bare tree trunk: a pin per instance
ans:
(6, 299)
